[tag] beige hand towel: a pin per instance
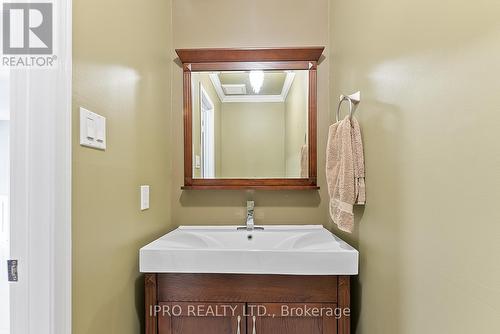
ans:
(345, 171)
(304, 161)
(359, 163)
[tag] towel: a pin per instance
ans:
(345, 171)
(359, 163)
(304, 161)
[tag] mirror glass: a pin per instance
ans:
(250, 124)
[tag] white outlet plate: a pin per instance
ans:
(144, 197)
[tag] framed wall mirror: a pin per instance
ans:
(250, 118)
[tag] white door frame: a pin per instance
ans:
(40, 194)
(207, 134)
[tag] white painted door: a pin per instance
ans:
(4, 201)
(35, 189)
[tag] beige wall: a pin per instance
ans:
(252, 139)
(429, 237)
(258, 23)
(296, 115)
(122, 70)
(203, 78)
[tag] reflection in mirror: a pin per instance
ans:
(250, 124)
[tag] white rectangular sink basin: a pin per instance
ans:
(278, 249)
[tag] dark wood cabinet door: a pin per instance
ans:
(206, 318)
(291, 318)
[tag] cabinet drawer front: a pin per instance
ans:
(244, 288)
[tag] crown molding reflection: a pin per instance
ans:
(214, 77)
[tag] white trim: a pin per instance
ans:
(62, 224)
(214, 77)
(205, 98)
(207, 134)
(287, 84)
(41, 189)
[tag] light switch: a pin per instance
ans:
(197, 162)
(101, 131)
(144, 197)
(92, 129)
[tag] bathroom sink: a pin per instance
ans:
(278, 249)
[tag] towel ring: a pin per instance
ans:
(353, 99)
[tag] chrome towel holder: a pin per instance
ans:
(353, 99)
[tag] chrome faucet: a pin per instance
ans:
(250, 226)
(250, 221)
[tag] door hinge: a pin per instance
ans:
(12, 270)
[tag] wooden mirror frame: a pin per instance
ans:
(199, 60)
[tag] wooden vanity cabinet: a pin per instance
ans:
(253, 304)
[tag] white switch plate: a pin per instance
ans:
(92, 129)
(144, 197)
(197, 162)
